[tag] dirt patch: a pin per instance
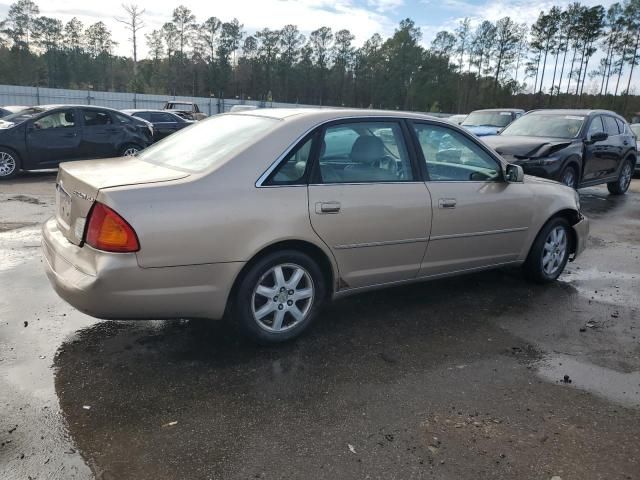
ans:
(26, 199)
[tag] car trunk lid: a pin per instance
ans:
(78, 185)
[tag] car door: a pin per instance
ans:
(99, 134)
(479, 219)
(53, 137)
(599, 157)
(367, 204)
(164, 124)
(615, 145)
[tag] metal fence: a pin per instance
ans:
(28, 96)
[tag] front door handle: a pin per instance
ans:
(327, 207)
(447, 203)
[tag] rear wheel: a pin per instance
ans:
(620, 186)
(130, 150)
(278, 297)
(570, 176)
(550, 252)
(9, 164)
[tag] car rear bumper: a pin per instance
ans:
(581, 230)
(113, 286)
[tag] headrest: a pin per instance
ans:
(367, 149)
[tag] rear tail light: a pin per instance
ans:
(110, 232)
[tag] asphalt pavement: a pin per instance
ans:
(477, 377)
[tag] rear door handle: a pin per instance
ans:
(447, 203)
(328, 207)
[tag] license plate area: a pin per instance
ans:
(63, 207)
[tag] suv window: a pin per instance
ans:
(596, 125)
(59, 119)
(451, 156)
(291, 171)
(94, 118)
(622, 126)
(610, 125)
(364, 152)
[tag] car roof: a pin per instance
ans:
(153, 110)
(572, 111)
(499, 110)
(328, 114)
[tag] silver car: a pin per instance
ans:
(263, 216)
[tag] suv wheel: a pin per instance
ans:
(550, 252)
(620, 186)
(130, 150)
(279, 296)
(569, 176)
(9, 164)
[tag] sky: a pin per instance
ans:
(362, 17)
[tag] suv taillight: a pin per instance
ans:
(110, 232)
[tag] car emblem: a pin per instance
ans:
(83, 196)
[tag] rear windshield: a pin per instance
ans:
(202, 145)
(546, 125)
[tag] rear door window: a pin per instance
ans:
(95, 118)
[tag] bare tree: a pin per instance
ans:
(134, 23)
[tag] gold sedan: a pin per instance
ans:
(265, 215)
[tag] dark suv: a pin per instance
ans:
(42, 137)
(579, 148)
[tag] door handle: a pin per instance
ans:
(70, 135)
(328, 207)
(447, 203)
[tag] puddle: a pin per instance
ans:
(618, 387)
(608, 287)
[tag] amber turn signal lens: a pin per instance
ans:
(110, 232)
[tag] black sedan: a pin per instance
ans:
(42, 137)
(579, 148)
(164, 123)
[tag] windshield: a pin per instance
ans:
(635, 129)
(487, 119)
(201, 145)
(23, 115)
(546, 125)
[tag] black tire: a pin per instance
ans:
(246, 300)
(621, 185)
(129, 147)
(534, 266)
(569, 176)
(9, 164)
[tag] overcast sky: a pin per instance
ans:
(362, 17)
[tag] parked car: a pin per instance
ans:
(490, 121)
(457, 119)
(188, 110)
(635, 129)
(43, 136)
(266, 215)
(579, 148)
(10, 109)
(164, 122)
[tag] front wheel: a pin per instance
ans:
(278, 297)
(9, 164)
(570, 176)
(620, 186)
(550, 252)
(130, 150)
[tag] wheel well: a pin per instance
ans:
(308, 248)
(633, 159)
(12, 150)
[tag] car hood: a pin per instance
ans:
(482, 130)
(526, 147)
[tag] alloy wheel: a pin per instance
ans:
(554, 250)
(7, 164)
(625, 177)
(130, 152)
(282, 298)
(569, 177)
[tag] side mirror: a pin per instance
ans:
(514, 173)
(598, 137)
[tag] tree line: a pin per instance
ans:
(502, 63)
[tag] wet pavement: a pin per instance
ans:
(477, 377)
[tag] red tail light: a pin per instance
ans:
(110, 232)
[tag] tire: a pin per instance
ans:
(555, 240)
(130, 150)
(569, 176)
(621, 185)
(265, 306)
(9, 164)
